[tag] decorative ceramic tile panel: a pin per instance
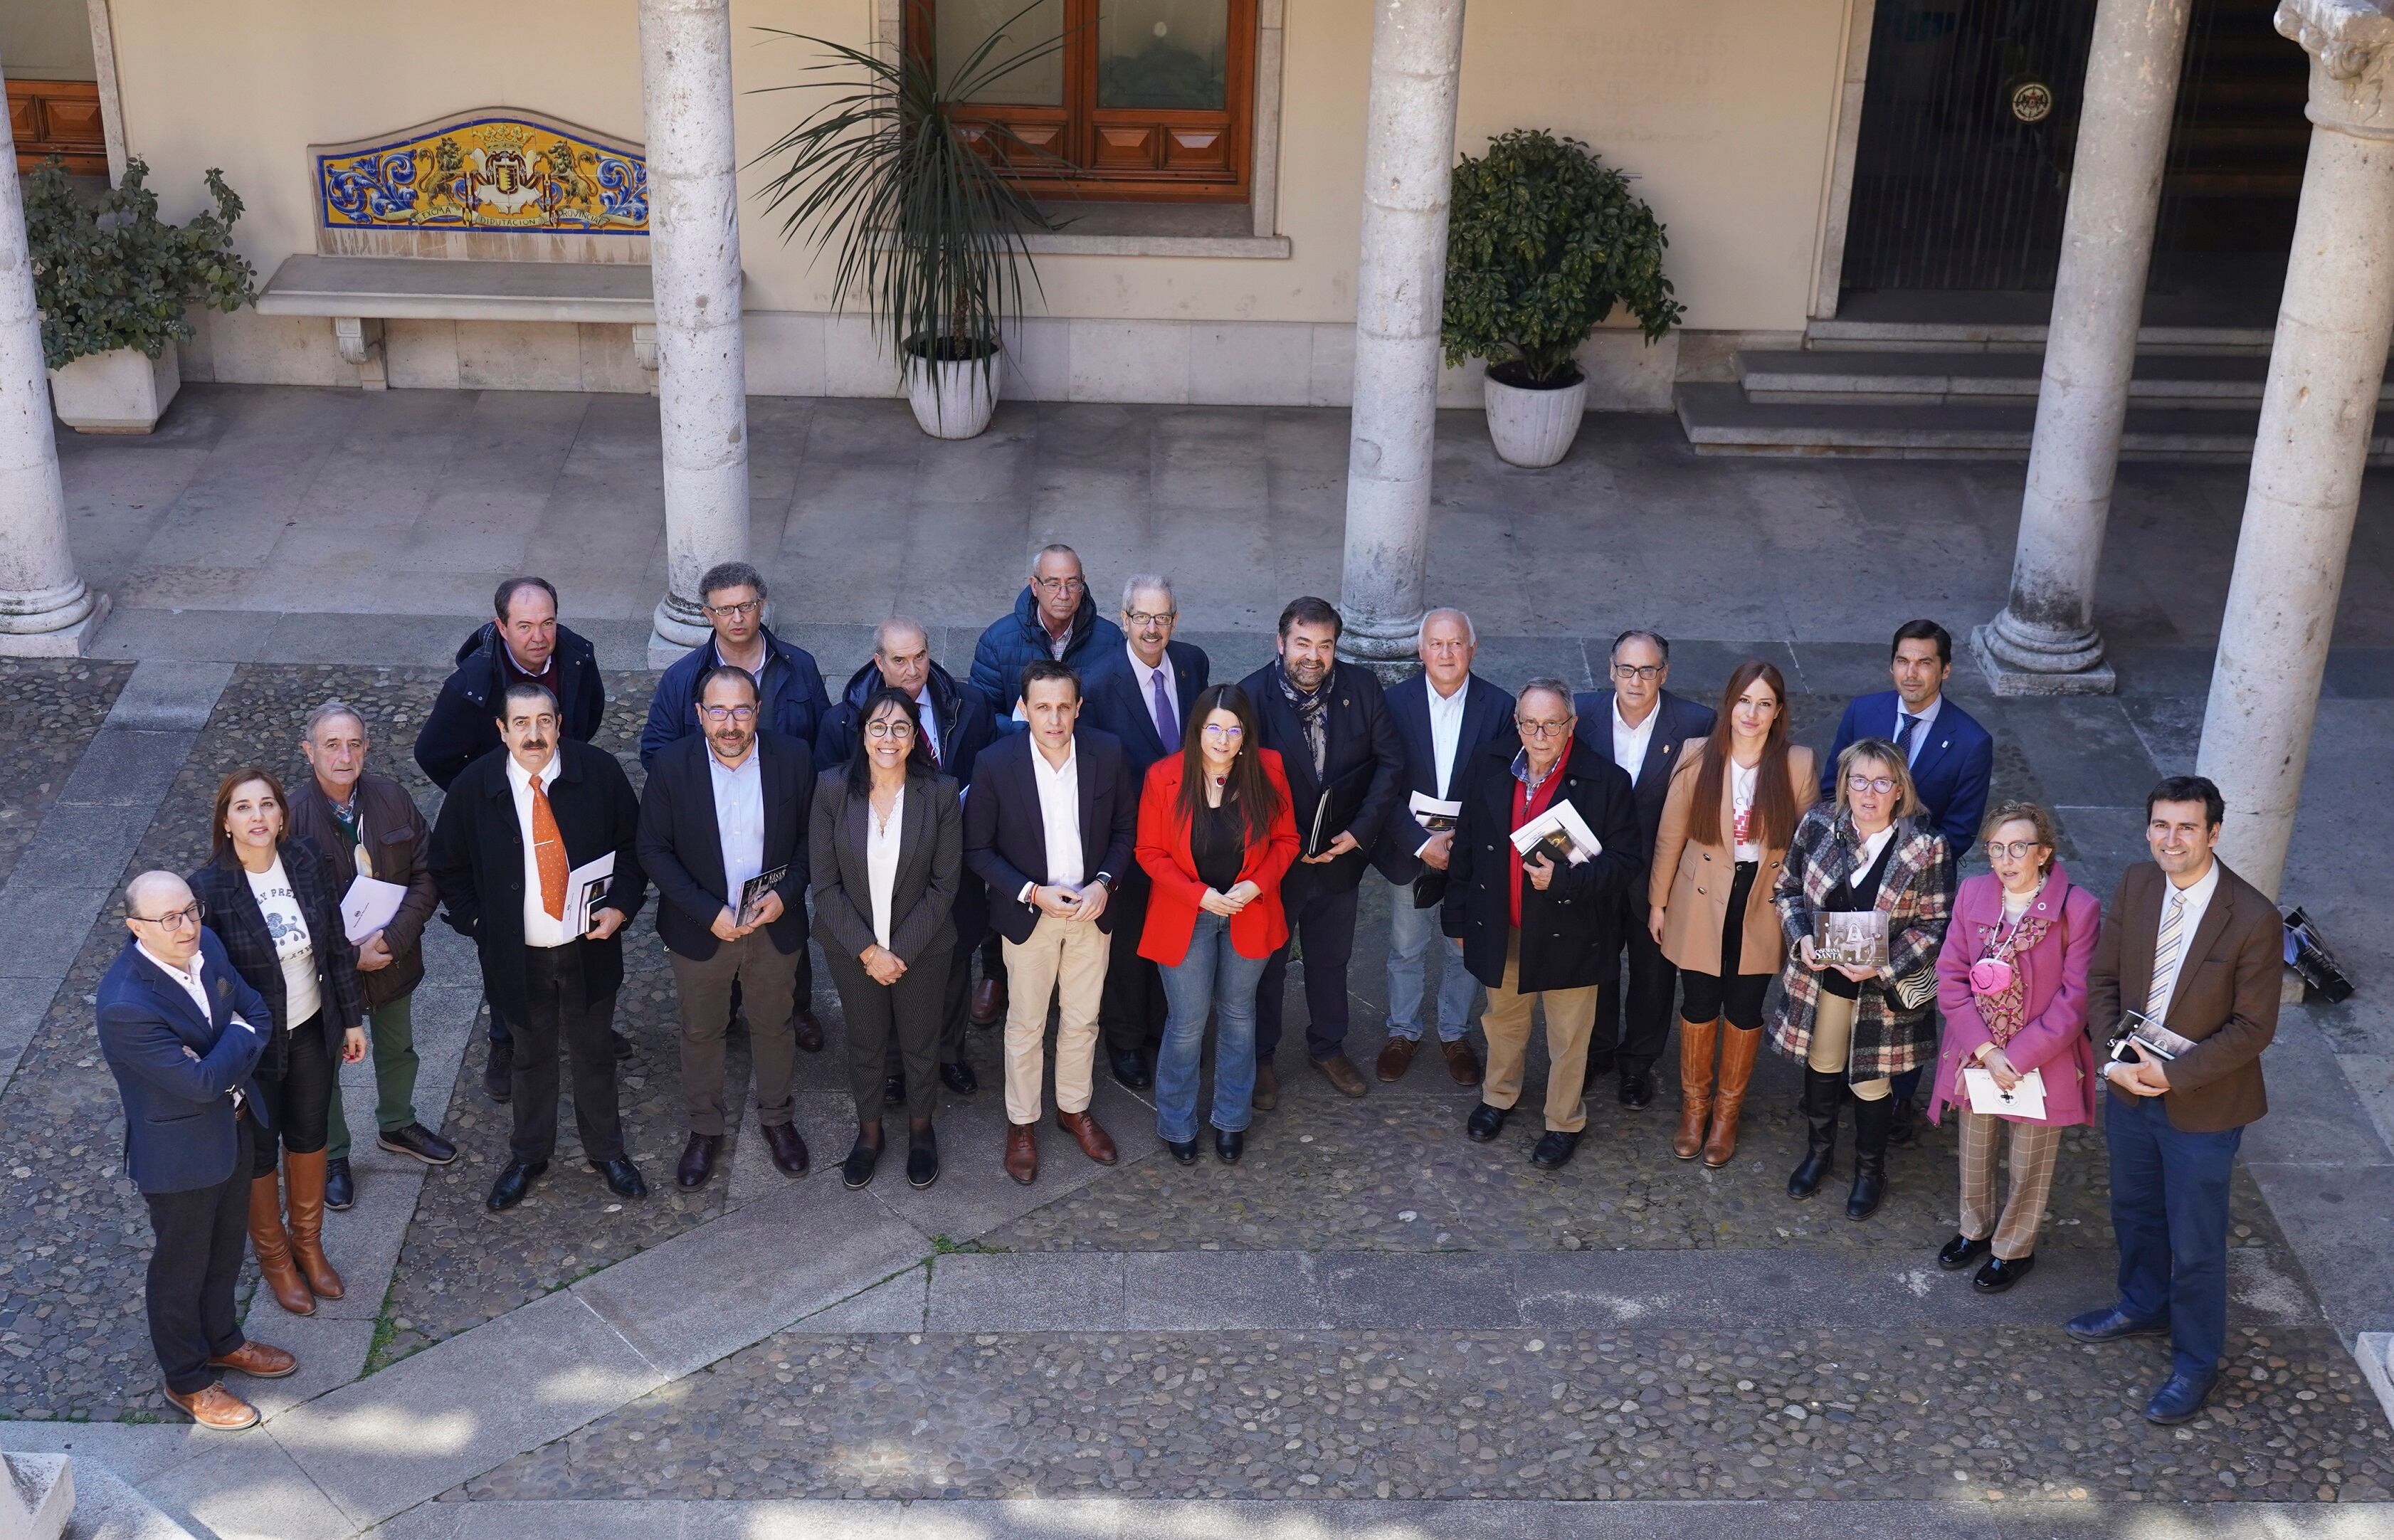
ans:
(485, 171)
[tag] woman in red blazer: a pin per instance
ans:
(1216, 832)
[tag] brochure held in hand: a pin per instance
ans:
(1560, 834)
(753, 891)
(586, 887)
(1850, 940)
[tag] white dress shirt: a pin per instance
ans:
(1445, 739)
(1868, 856)
(1926, 716)
(739, 819)
(2197, 899)
(191, 980)
(930, 720)
(881, 843)
(539, 928)
(1629, 744)
(1059, 817)
(1146, 677)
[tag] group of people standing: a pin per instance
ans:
(1121, 840)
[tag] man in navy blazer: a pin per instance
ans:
(1644, 729)
(1048, 830)
(1141, 694)
(1441, 717)
(181, 1031)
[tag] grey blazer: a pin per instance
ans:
(930, 856)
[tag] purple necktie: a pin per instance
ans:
(1167, 721)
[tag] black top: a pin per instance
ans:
(1217, 843)
(1852, 898)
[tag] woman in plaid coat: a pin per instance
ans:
(1853, 1028)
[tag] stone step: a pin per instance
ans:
(1929, 321)
(1805, 376)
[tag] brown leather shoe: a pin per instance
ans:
(1342, 1074)
(1022, 1152)
(989, 1002)
(271, 1245)
(303, 1180)
(1462, 1064)
(808, 1029)
(1697, 1041)
(1267, 1094)
(788, 1150)
(697, 1163)
(257, 1361)
(1738, 1049)
(217, 1407)
(1397, 1058)
(1095, 1142)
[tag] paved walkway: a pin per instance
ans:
(1367, 1320)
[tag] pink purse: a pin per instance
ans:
(1990, 976)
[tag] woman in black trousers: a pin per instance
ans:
(885, 843)
(276, 906)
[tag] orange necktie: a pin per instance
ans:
(548, 853)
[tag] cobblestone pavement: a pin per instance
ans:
(48, 711)
(1773, 1414)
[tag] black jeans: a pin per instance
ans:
(297, 1094)
(1632, 1026)
(1709, 997)
(1132, 1014)
(194, 1262)
(561, 1015)
(1323, 920)
(897, 1024)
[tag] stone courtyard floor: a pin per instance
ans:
(1369, 1326)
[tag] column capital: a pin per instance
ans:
(2351, 49)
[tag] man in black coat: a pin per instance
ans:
(721, 811)
(956, 727)
(1141, 694)
(1644, 729)
(1545, 930)
(1346, 774)
(514, 828)
(1048, 830)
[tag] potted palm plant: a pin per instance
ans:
(1542, 240)
(112, 280)
(927, 231)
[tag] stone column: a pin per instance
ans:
(2043, 640)
(46, 611)
(2334, 323)
(1401, 285)
(694, 260)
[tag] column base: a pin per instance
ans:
(1390, 653)
(2016, 671)
(674, 633)
(67, 641)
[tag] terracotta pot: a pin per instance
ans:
(119, 391)
(1533, 428)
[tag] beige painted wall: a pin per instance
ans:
(1722, 110)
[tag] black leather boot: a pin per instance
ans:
(1823, 1095)
(1872, 1121)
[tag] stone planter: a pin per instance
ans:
(1533, 428)
(953, 399)
(118, 391)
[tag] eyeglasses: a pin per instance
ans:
(1642, 673)
(887, 729)
(735, 611)
(2017, 849)
(1879, 783)
(186, 919)
(1059, 585)
(1141, 617)
(727, 713)
(1215, 729)
(1543, 729)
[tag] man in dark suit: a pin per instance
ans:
(181, 1031)
(1346, 772)
(516, 826)
(1643, 728)
(1441, 719)
(956, 727)
(2190, 945)
(1141, 695)
(722, 810)
(1047, 829)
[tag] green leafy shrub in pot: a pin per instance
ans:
(108, 274)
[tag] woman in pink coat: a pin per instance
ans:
(2011, 982)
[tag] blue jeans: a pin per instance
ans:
(1412, 933)
(2169, 1213)
(1212, 978)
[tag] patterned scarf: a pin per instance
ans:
(2005, 1011)
(1313, 714)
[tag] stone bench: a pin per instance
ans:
(359, 292)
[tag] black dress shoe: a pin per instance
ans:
(1485, 1122)
(922, 1160)
(1959, 1253)
(789, 1151)
(1553, 1151)
(1999, 1275)
(857, 1171)
(2181, 1396)
(622, 1046)
(1129, 1068)
(513, 1183)
(698, 1160)
(498, 1073)
(417, 1142)
(2111, 1324)
(1638, 1088)
(1186, 1153)
(959, 1077)
(623, 1179)
(1228, 1147)
(340, 1187)
(894, 1091)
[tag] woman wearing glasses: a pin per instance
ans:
(1216, 832)
(1732, 808)
(1852, 1025)
(2011, 982)
(887, 844)
(275, 903)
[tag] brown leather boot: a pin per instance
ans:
(304, 1177)
(1696, 1040)
(1738, 1049)
(273, 1248)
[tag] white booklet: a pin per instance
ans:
(2026, 1099)
(369, 905)
(1563, 833)
(585, 885)
(1433, 814)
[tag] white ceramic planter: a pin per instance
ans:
(951, 401)
(1533, 428)
(119, 391)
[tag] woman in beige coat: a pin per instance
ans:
(1734, 802)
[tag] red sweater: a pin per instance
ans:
(1527, 806)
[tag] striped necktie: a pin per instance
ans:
(2167, 945)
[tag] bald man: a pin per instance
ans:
(180, 1032)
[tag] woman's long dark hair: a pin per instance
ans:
(1257, 799)
(919, 763)
(1774, 789)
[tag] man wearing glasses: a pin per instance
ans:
(181, 1031)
